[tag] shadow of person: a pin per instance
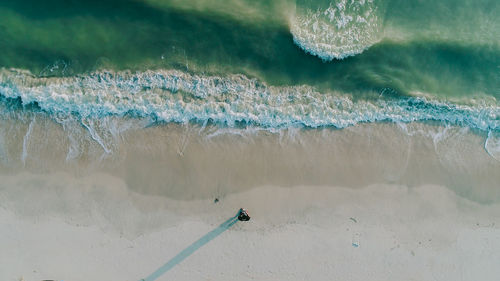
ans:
(193, 248)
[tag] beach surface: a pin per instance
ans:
(102, 231)
(432, 214)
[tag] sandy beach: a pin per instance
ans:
(95, 229)
(374, 202)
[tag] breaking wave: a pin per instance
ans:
(344, 28)
(175, 96)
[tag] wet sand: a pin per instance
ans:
(202, 162)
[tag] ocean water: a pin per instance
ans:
(101, 70)
(111, 57)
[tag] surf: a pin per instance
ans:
(337, 30)
(230, 101)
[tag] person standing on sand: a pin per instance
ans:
(243, 215)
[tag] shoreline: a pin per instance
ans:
(199, 162)
(363, 138)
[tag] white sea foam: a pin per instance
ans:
(26, 141)
(492, 145)
(174, 96)
(345, 28)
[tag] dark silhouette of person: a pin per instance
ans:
(243, 215)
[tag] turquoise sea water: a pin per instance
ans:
(273, 64)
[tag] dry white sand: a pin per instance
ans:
(59, 227)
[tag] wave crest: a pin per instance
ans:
(175, 96)
(345, 28)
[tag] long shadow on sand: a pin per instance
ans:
(192, 248)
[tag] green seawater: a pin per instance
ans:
(445, 49)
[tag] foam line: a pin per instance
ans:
(26, 140)
(175, 96)
(486, 145)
